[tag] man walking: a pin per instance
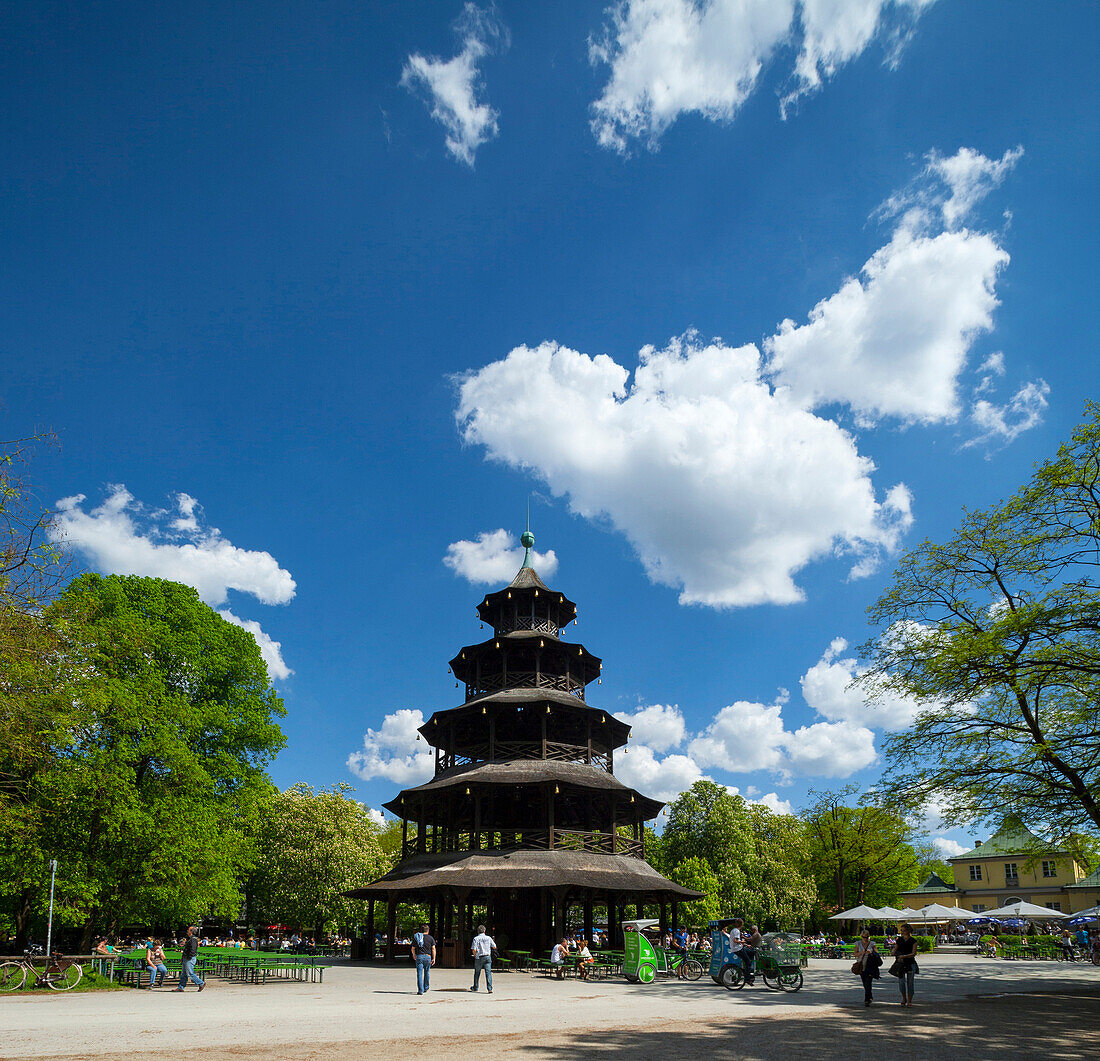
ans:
(188, 958)
(423, 953)
(482, 948)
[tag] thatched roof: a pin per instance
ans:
(527, 772)
(556, 655)
(492, 870)
(527, 698)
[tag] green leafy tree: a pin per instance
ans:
(34, 712)
(858, 854)
(312, 847)
(696, 873)
(754, 854)
(156, 763)
(995, 633)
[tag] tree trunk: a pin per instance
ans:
(23, 912)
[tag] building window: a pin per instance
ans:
(975, 872)
(1054, 906)
(979, 907)
(1011, 876)
(1049, 869)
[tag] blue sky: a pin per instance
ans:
(316, 296)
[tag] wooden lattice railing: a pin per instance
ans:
(492, 683)
(532, 839)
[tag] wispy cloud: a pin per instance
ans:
(672, 57)
(452, 86)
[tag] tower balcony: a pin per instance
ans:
(509, 750)
(531, 839)
(492, 683)
(538, 623)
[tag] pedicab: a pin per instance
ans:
(643, 960)
(777, 960)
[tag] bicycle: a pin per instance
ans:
(684, 967)
(59, 974)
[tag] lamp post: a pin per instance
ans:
(49, 923)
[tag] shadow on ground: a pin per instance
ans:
(1063, 1026)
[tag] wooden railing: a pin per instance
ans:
(531, 839)
(492, 683)
(503, 751)
(528, 622)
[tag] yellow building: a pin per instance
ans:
(1013, 865)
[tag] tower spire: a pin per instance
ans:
(527, 539)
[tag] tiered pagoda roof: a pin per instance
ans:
(524, 794)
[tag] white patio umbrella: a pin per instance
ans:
(909, 913)
(858, 913)
(939, 912)
(890, 913)
(1026, 910)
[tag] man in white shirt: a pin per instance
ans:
(558, 958)
(482, 949)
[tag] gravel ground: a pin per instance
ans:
(990, 1009)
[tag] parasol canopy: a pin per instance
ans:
(934, 912)
(858, 913)
(890, 913)
(1026, 910)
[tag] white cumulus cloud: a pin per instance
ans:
(453, 85)
(828, 688)
(124, 537)
(663, 779)
(725, 488)
(377, 817)
(947, 847)
(893, 341)
(747, 736)
(776, 805)
(659, 726)
(673, 57)
(392, 751)
(494, 557)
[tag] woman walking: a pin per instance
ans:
(905, 951)
(868, 960)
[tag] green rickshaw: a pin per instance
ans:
(643, 960)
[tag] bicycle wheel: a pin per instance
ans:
(12, 976)
(771, 980)
(66, 979)
(790, 979)
(647, 973)
(732, 978)
(692, 969)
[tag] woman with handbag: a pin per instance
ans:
(866, 964)
(905, 963)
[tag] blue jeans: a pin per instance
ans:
(187, 972)
(483, 961)
(423, 971)
(905, 983)
(152, 970)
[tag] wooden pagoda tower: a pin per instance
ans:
(524, 815)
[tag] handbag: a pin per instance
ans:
(895, 969)
(857, 966)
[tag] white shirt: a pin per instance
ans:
(558, 953)
(735, 939)
(483, 946)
